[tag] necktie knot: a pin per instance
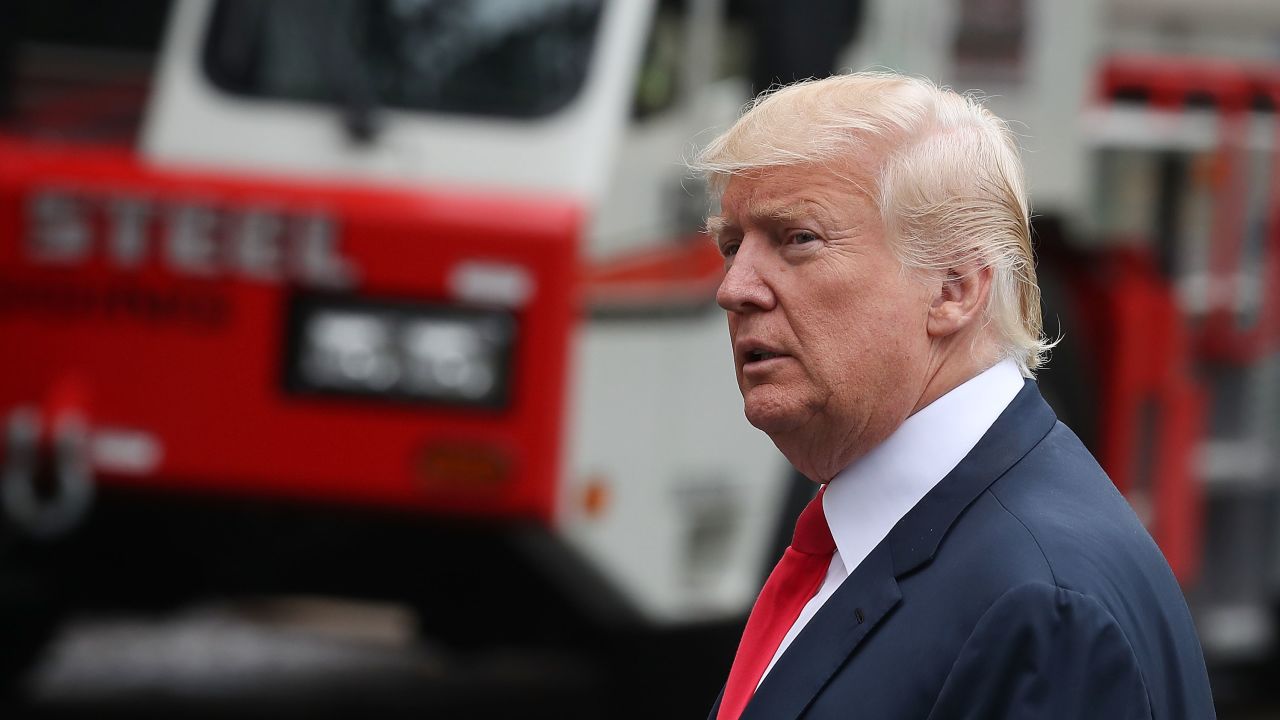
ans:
(812, 534)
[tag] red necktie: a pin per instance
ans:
(793, 582)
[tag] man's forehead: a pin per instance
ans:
(791, 184)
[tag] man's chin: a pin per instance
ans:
(772, 415)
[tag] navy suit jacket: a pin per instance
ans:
(1021, 586)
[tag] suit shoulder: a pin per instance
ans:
(1081, 524)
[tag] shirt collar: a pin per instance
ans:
(865, 500)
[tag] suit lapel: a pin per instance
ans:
(864, 599)
(871, 593)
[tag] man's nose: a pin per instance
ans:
(744, 287)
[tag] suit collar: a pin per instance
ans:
(1022, 425)
(871, 592)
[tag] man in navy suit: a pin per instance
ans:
(965, 557)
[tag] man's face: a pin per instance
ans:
(828, 329)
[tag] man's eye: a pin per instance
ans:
(801, 237)
(729, 249)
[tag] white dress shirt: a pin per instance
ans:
(868, 498)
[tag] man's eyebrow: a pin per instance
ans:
(770, 211)
(784, 211)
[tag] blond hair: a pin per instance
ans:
(948, 182)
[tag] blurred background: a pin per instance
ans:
(362, 357)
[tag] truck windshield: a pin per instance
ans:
(513, 58)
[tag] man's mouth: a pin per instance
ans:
(754, 353)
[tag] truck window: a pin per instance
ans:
(511, 58)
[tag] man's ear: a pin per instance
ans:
(959, 299)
